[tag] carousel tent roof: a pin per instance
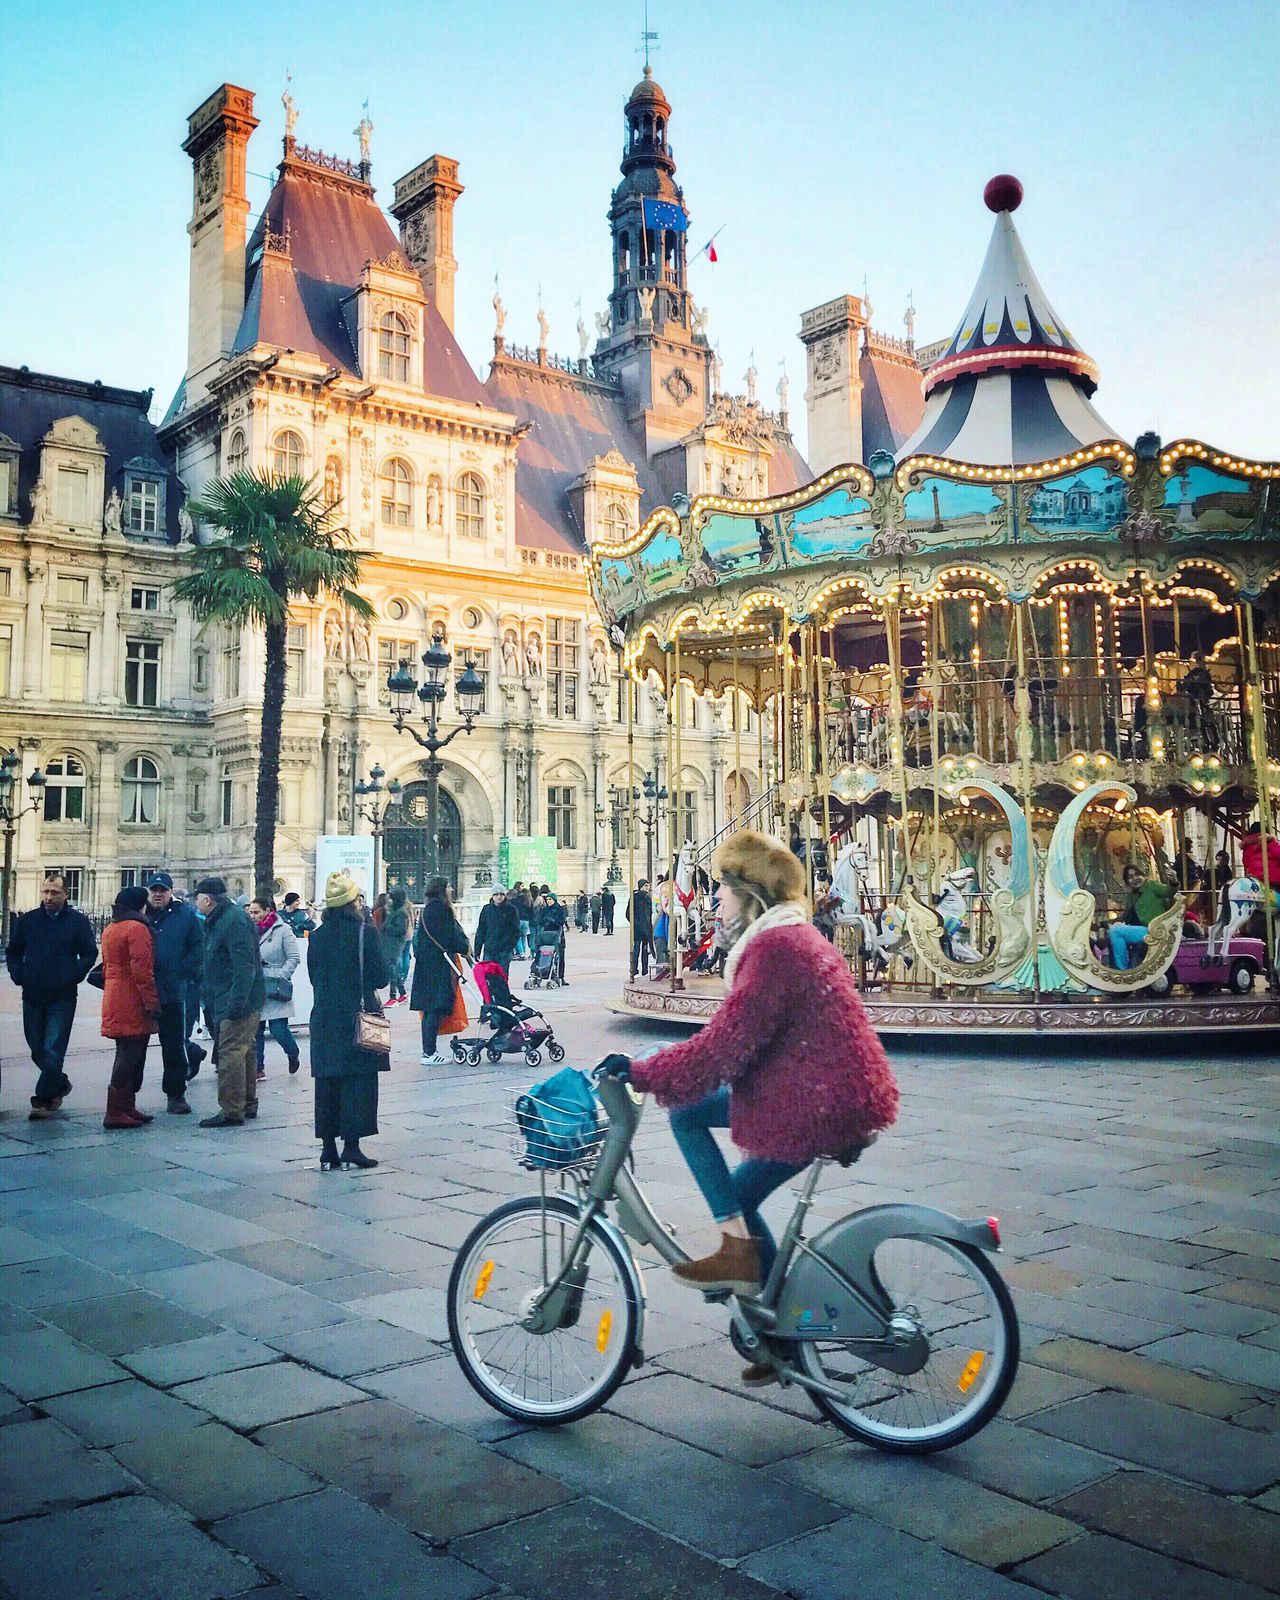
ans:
(1012, 385)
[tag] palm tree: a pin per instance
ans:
(277, 540)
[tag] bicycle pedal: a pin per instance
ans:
(717, 1297)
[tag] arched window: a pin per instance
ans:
(393, 348)
(290, 454)
(236, 451)
(469, 506)
(140, 791)
(397, 493)
(64, 790)
(616, 524)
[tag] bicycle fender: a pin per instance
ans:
(816, 1304)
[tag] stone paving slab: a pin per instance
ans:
(171, 1364)
(1015, 1460)
(1097, 1567)
(360, 1345)
(1133, 1428)
(1139, 1374)
(437, 1389)
(329, 1546)
(119, 1411)
(45, 1468)
(431, 1478)
(131, 1547)
(289, 1261)
(55, 1279)
(120, 1323)
(1223, 1358)
(213, 1472)
(47, 1361)
(255, 1396)
(180, 1221)
(288, 1310)
(739, 1429)
(1233, 1539)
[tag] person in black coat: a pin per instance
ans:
(435, 977)
(51, 951)
(179, 967)
(346, 1077)
(608, 901)
(553, 923)
(498, 930)
(640, 916)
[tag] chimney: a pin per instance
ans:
(829, 334)
(217, 138)
(423, 207)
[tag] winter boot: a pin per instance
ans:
(119, 1112)
(735, 1266)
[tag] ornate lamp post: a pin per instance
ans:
(617, 815)
(12, 810)
(655, 798)
(373, 807)
(468, 694)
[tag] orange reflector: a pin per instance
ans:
(603, 1330)
(971, 1370)
(482, 1282)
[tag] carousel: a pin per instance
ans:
(1013, 696)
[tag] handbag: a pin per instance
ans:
(96, 977)
(281, 988)
(455, 1019)
(373, 1030)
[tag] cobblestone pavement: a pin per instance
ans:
(225, 1373)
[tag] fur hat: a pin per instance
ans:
(763, 864)
(340, 890)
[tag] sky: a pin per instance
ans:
(832, 142)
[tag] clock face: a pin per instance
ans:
(826, 360)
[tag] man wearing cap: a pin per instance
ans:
(234, 993)
(498, 930)
(179, 963)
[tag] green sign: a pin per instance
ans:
(528, 858)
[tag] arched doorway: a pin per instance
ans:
(406, 847)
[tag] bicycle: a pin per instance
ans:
(892, 1319)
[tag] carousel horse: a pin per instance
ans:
(953, 907)
(689, 880)
(1240, 899)
(881, 933)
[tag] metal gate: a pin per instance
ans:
(406, 848)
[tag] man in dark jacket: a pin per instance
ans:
(234, 994)
(640, 916)
(607, 903)
(553, 924)
(498, 930)
(179, 963)
(295, 914)
(51, 951)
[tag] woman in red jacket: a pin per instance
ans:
(789, 1062)
(130, 1004)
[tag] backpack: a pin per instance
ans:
(559, 1121)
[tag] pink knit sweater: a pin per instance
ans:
(808, 1072)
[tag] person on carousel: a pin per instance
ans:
(1265, 869)
(1147, 899)
(789, 1063)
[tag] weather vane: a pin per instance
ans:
(649, 38)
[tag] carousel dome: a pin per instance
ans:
(1013, 385)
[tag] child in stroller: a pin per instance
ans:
(546, 966)
(517, 1030)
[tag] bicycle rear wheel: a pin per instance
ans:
(541, 1377)
(960, 1304)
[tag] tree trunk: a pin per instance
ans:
(264, 822)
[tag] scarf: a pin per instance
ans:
(268, 922)
(786, 914)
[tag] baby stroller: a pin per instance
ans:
(517, 1030)
(546, 965)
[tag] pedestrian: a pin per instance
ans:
(233, 998)
(295, 913)
(581, 911)
(51, 951)
(498, 930)
(595, 911)
(789, 1062)
(439, 937)
(394, 934)
(640, 916)
(378, 914)
(130, 1003)
(608, 902)
(179, 962)
(553, 928)
(346, 1077)
(279, 952)
(524, 908)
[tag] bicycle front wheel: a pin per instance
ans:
(569, 1370)
(960, 1305)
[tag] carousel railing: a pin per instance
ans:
(760, 809)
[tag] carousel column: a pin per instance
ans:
(893, 631)
(824, 761)
(632, 793)
(737, 734)
(1261, 778)
(1022, 703)
(677, 819)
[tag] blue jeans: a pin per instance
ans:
(279, 1029)
(522, 949)
(47, 1026)
(729, 1194)
(1123, 936)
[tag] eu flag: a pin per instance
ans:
(659, 214)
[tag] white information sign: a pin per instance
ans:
(345, 852)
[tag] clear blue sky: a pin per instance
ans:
(832, 138)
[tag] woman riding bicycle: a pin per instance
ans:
(789, 1062)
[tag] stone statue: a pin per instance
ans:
(360, 640)
(751, 378)
(499, 313)
(584, 338)
(697, 319)
(604, 324)
(434, 500)
(784, 386)
(332, 481)
(186, 528)
(332, 637)
(111, 516)
(40, 506)
(363, 131)
(533, 655)
(290, 111)
(717, 372)
(510, 654)
(646, 295)
(599, 664)
(544, 328)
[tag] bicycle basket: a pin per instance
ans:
(558, 1122)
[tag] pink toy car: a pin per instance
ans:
(1245, 962)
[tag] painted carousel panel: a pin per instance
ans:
(942, 511)
(1207, 502)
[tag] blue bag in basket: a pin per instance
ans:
(558, 1120)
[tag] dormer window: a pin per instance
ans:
(142, 507)
(8, 477)
(393, 348)
(73, 494)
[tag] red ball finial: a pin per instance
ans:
(1003, 193)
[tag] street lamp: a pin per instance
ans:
(12, 810)
(403, 687)
(374, 809)
(655, 798)
(617, 815)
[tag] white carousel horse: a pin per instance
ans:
(881, 936)
(1240, 899)
(953, 907)
(684, 902)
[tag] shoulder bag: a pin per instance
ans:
(373, 1030)
(455, 1019)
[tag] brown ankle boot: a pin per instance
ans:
(119, 1114)
(735, 1266)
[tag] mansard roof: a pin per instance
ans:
(316, 233)
(892, 393)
